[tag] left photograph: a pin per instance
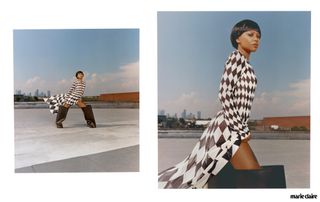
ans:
(76, 100)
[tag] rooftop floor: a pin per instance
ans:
(38, 141)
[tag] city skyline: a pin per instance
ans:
(193, 47)
(48, 59)
(37, 92)
(185, 114)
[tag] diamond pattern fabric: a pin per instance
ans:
(70, 98)
(221, 139)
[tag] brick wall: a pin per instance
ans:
(287, 122)
(120, 97)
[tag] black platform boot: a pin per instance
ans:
(266, 177)
(61, 116)
(88, 116)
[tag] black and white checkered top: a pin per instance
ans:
(71, 98)
(222, 138)
(236, 94)
(75, 92)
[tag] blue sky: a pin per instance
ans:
(193, 47)
(48, 59)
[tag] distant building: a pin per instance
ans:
(202, 123)
(162, 112)
(18, 98)
(285, 123)
(190, 116)
(36, 93)
(162, 121)
(120, 97)
(184, 114)
(198, 114)
(48, 93)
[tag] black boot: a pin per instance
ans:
(61, 116)
(88, 116)
(226, 178)
(266, 177)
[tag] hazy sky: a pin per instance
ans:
(48, 60)
(193, 47)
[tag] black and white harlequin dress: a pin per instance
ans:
(221, 139)
(71, 98)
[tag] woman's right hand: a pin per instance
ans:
(247, 138)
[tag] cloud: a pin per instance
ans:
(293, 101)
(34, 80)
(128, 76)
(31, 85)
(186, 100)
(62, 86)
(124, 79)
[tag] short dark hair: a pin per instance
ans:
(79, 72)
(240, 28)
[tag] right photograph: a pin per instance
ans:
(234, 99)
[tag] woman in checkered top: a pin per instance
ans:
(76, 91)
(61, 103)
(226, 138)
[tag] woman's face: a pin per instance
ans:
(249, 41)
(80, 76)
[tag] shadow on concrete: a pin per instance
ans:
(83, 125)
(119, 160)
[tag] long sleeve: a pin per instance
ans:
(233, 70)
(71, 88)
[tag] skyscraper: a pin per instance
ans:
(198, 114)
(36, 93)
(184, 114)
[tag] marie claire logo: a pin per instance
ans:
(303, 196)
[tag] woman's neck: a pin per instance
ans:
(245, 53)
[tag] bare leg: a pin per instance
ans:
(81, 104)
(244, 158)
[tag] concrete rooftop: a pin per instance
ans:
(38, 141)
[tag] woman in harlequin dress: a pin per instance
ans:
(60, 104)
(226, 137)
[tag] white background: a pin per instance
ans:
(142, 185)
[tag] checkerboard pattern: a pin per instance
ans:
(70, 98)
(58, 100)
(55, 101)
(221, 139)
